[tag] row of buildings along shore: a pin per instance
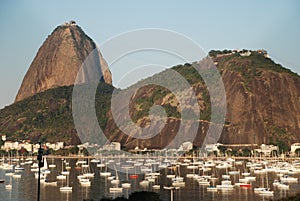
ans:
(217, 149)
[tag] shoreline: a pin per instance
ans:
(156, 157)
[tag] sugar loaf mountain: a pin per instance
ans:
(263, 98)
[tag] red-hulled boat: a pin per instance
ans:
(133, 176)
(245, 185)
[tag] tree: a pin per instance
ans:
(246, 152)
(74, 150)
(283, 147)
(233, 152)
(85, 152)
(222, 149)
(3, 153)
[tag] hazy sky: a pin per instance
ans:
(271, 25)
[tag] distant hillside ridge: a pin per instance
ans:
(263, 103)
(263, 106)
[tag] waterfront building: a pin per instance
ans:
(294, 147)
(9, 145)
(267, 150)
(186, 146)
(212, 147)
(112, 146)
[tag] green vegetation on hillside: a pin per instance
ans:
(248, 65)
(48, 115)
(279, 137)
(156, 95)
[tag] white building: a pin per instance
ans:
(9, 145)
(245, 54)
(294, 147)
(267, 149)
(112, 146)
(26, 146)
(264, 53)
(212, 147)
(70, 23)
(35, 148)
(56, 146)
(186, 146)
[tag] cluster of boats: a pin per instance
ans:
(163, 173)
(12, 171)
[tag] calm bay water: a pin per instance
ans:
(25, 188)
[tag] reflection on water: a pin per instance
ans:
(25, 187)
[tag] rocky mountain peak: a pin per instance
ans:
(59, 59)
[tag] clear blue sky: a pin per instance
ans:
(271, 25)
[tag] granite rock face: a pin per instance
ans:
(59, 59)
(263, 105)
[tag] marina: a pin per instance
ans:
(195, 178)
